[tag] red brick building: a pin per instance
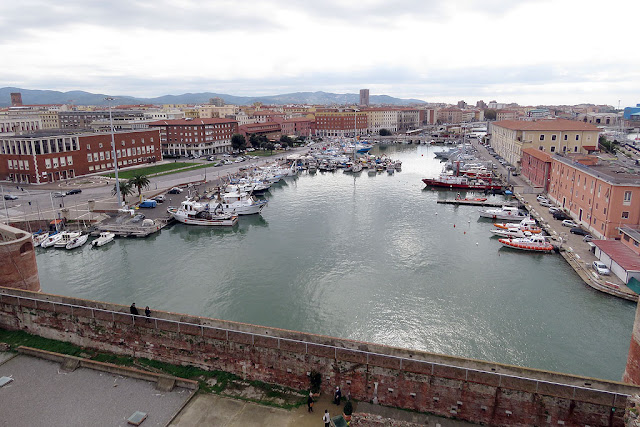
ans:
(536, 167)
(334, 122)
(299, 126)
(56, 155)
(186, 137)
(271, 130)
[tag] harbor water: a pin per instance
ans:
(370, 258)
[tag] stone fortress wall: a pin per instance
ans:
(18, 268)
(467, 389)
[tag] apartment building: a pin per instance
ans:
(339, 122)
(271, 130)
(12, 125)
(601, 197)
(185, 137)
(298, 126)
(510, 137)
(536, 168)
(381, 118)
(50, 156)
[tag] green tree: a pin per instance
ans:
(238, 142)
(139, 181)
(385, 132)
(269, 146)
(254, 140)
(125, 190)
(490, 114)
(286, 141)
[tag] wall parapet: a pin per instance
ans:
(395, 376)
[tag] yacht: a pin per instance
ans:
(77, 241)
(507, 213)
(104, 238)
(195, 213)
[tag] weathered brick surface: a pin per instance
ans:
(407, 383)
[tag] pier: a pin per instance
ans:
(135, 230)
(474, 203)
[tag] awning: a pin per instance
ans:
(590, 147)
(56, 221)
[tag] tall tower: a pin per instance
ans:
(364, 97)
(632, 370)
(16, 99)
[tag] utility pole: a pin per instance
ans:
(115, 158)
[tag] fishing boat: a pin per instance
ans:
(527, 224)
(77, 242)
(507, 213)
(461, 182)
(534, 243)
(104, 238)
(195, 213)
(240, 203)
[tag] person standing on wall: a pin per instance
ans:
(337, 396)
(147, 312)
(133, 309)
(310, 402)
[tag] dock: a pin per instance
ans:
(474, 203)
(135, 230)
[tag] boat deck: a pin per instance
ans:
(135, 230)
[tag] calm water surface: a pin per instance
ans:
(372, 258)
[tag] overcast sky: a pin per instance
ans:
(526, 51)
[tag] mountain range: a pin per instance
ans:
(77, 97)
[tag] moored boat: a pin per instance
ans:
(461, 182)
(76, 242)
(39, 238)
(510, 233)
(51, 240)
(195, 213)
(535, 243)
(104, 238)
(65, 238)
(508, 213)
(527, 224)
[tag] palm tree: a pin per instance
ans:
(139, 181)
(125, 189)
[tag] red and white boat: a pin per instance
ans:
(535, 243)
(467, 199)
(527, 224)
(461, 182)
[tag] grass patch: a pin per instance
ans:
(150, 170)
(18, 338)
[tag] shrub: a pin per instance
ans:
(348, 408)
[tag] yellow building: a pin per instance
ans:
(510, 137)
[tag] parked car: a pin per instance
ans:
(600, 268)
(10, 197)
(569, 223)
(148, 204)
(159, 198)
(545, 203)
(138, 218)
(540, 197)
(578, 230)
(561, 215)
(215, 165)
(175, 190)
(58, 194)
(554, 209)
(74, 191)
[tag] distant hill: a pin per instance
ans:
(79, 97)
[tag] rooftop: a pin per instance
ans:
(633, 232)
(548, 124)
(194, 122)
(538, 154)
(613, 172)
(622, 255)
(65, 132)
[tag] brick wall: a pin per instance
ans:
(467, 389)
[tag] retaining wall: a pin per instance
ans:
(468, 389)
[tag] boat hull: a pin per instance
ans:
(469, 186)
(527, 246)
(214, 222)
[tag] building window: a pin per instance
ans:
(89, 157)
(553, 137)
(553, 149)
(566, 137)
(575, 149)
(625, 215)
(577, 137)
(626, 238)
(627, 197)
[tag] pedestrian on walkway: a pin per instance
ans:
(337, 396)
(310, 402)
(147, 312)
(326, 418)
(133, 309)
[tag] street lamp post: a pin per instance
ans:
(113, 148)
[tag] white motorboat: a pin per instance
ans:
(66, 237)
(390, 169)
(356, 168)
(527, 224)
(240, 203)
(104, 238)
(77, 241)
(195, 213)
(511, 232)
(507, 213)
(51, 240)
(39, 238)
